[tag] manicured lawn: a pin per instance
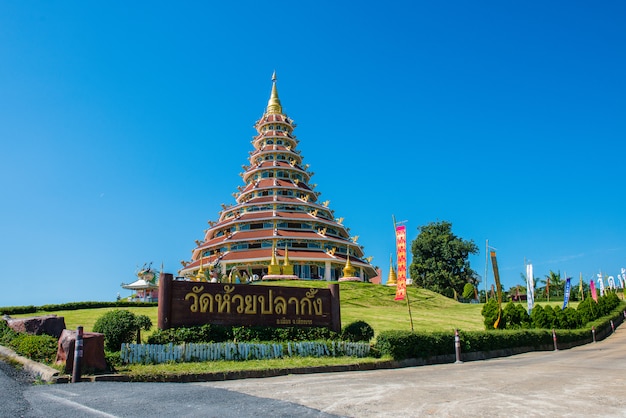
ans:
(367, 302)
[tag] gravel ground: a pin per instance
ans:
(13, 382)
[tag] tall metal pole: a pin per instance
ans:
(78, 355)
(486, 269)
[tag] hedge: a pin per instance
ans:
(402, 345)
(72, 306)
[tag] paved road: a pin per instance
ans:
(584, 381)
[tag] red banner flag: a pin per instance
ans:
(401, 254)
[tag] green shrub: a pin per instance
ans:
(468, 291)
(403, 344)
(490, 314)
(120, 326)
(217, 333)
(41, 348)
(14, 310)
(515, 316)
(357, 331)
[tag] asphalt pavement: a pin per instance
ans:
(584, 381)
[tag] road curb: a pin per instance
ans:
(35, 369)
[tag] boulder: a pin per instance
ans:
(48, 324)
(93, 351)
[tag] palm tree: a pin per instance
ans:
(554, 279)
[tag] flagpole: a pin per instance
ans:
(486, 269)
(408, 304)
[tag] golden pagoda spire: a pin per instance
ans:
(200, 274)
(274, 267)
(273, 105)
(391, 281)
(287, 267)
(348, 270)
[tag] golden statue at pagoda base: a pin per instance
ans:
(274, 270)
(348, 273)
(392, 280)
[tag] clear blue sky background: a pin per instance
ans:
(124, 125)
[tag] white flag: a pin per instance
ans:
(530, 287)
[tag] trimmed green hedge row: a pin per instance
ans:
(209, 333)
(37, 347)
(402, 345)
(72, 306)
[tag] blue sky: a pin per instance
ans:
(123, 127)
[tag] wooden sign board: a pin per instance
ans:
(185, 303)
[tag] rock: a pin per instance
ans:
(48, 324)
(93, 351)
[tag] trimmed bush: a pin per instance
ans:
(72, 306)
(402, 345)
(357, 331)
(41, 348)
(37, 347)
(120, 326)
(216, 333)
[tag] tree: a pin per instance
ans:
(553, 285)
(440, 259)
(468, 291)
(120, 326)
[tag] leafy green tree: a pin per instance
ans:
(440, 259)
(515, 316)
(468, 291)
(490, 313)
(121, 326)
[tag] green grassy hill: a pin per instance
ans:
(371, 303)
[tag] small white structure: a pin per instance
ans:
(146, 286)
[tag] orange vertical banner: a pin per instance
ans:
(401, 255)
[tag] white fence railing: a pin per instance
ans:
(157, 353)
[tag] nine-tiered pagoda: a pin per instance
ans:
(277, 228)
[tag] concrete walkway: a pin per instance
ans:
(584, 381)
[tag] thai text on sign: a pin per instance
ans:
(184, 303)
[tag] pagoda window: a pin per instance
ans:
(279, 142)
(244, 227)
(270, 142)
(282, 174)
(268, 225)
(256, 226)
(294, 225)
(305, 271)
(219, 234)
(267, 244)
(254, 245)
(281, 225)
(299, 245)
(264, 193)
(281, 156)
(271, 127)
(315, 245)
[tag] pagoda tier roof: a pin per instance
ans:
(272, 133)
(269, 214)
(289, 234)
(264, 165)
(270, 199)
(275, 117)
(274, 147)
(264, 254)
(272, 164)
(268, 183)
